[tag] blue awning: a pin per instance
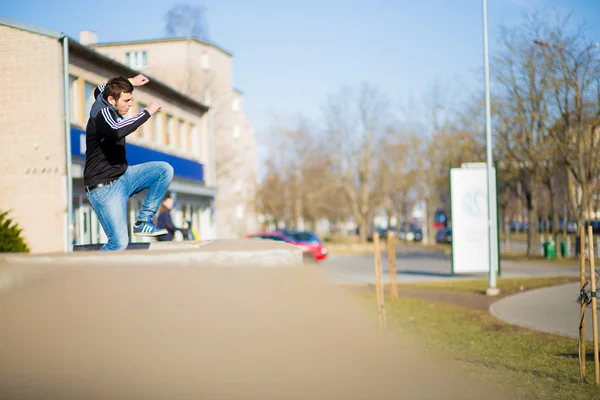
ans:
(184, 168)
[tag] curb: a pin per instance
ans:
(492, 310)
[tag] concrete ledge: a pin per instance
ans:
(16, 269)
(232, 252)
(187, 244)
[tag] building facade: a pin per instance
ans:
(46, 92)
(204, 72)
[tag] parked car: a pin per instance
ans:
(309, 240)
(311, 245)
(444, 235)
(410, 233)
(382, 232)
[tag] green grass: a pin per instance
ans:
(535, 365)
(506, 285)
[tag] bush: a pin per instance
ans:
(10, 236)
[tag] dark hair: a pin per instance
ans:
(162, 208)
(116, 86)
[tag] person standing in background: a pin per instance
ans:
(164, 220)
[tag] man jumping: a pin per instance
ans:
(109, 180)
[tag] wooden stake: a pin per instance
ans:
(391, 246)
(582, 340)
(594, 311)
(379, 281)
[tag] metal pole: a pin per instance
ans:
(491, 192)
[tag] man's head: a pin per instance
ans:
(168, 201)
(118, 92)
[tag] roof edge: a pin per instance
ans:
(31, 28)
(169, 39)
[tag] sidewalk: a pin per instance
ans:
(554, 310)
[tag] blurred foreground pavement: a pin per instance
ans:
(201, 330)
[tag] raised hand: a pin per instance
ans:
(153, 107)
(139, 80)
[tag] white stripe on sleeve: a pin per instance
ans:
(116, 125)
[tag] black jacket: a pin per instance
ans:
(105, 156)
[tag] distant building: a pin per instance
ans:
(204, 71)
(42, 145)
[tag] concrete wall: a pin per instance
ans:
(32, 137)
(239, 170)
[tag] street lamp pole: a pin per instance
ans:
(492, 290)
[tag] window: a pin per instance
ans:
(188, 138)
(142, 131)
(194, 140)
(204, 60)
(175, 138)
(74, 98)
(238, 185)
(236, 105)
(183, 143)
(89, 97)
(169, 132)
(136, 59)
(272, 237)
(236, 132)
(156, 127)
(239, 211)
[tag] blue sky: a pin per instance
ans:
(289, 55)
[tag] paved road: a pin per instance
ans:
(416, 265)
(553, 310)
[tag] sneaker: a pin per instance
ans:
(147, 229)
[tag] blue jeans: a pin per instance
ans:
(110, 202)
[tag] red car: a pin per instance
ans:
(308, 242)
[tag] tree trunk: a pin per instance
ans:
(363, 228)
(299, 218)
(531, 195)
(506, 233)
(554, 213)
(430, 232)
(585, 216)
(389, 211)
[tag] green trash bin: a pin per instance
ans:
(563, 249)
(549, 250)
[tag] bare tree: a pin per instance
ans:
(267, 201)
(576, 78)
(524, 78)
(396, 173)
(186, 20)
(353, 123)
(301, 167)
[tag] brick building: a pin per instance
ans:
(42, 143)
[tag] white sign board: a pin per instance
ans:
(470, 234)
